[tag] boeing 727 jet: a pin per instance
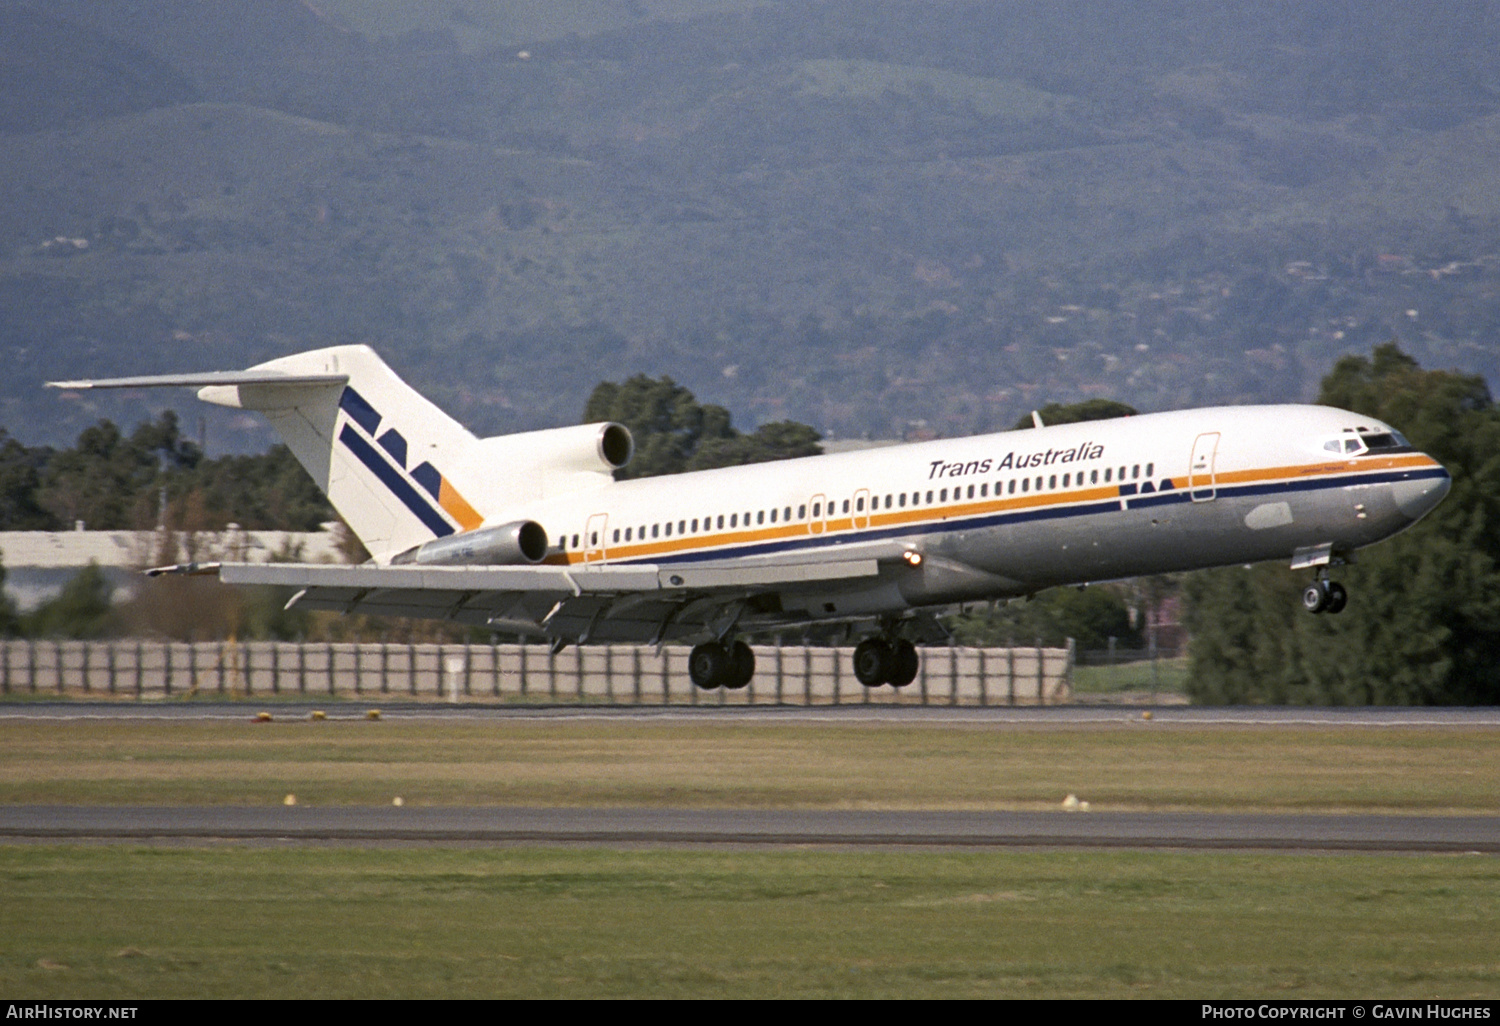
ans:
(531, 533)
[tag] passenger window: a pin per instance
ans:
(802, 512)
(575, 541)
(1135, 472)
(1011, 488)
(760, 518)
(1065, 479)
(786, 514)
(1039, 483)
(846, 505)
(929, 498)
(617, 535)
(971, 491)
(669, 529)
(1052, 482)
(1107, 473)
(1150, 469)
(1093, 477)
(773, 516)
(734, 520)
(817, 510)
(943, 495)
(682, 527)
(887, 502)
(1025, 484)
(901, 500)
(984, 489)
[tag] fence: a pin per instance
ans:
(616, 674)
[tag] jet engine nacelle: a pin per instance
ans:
(524, 541)
(511, 470)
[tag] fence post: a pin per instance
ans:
(1072, 661)
(1041, 678)
(984, 684)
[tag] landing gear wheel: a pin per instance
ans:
(1338, 597)
(708, 664)
(903, 664)
(1314, 597)
(873, 662)
(741, 666)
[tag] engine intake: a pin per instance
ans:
(521, 542)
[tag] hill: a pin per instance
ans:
(853, 213)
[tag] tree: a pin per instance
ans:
(1423, 621)
(673, 432)
(1090, 616)
(82, 610)
(1073, 413)
(19, 483)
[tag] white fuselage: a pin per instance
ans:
(1007, 514)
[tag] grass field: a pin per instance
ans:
(127, 921)
(1131, 765)
(123, 922)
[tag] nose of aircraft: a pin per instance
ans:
(1417, 497)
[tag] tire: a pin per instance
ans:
(1338, 597)
(707, 664)
(1314, 598)
(873, 662)
(741, 666)
(904, 664)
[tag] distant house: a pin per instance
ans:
(38, 564)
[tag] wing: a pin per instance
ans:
(568, 604)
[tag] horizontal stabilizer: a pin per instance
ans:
(244, 377)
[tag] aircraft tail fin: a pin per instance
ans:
(370, 441)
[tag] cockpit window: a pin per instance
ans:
(1367, 441)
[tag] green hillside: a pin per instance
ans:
(855, 214)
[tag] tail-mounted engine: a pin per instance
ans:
(522, 542)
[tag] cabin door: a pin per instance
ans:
(1201, 483)
(594, 543)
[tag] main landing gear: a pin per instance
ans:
(878, 661)
(718, 664)
(1324, 596)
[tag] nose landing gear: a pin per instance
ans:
(1324, 596)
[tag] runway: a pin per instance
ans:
(909, 715)
(683, 827)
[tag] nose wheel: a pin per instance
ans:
(1323, 596)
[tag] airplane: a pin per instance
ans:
(531, 533)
